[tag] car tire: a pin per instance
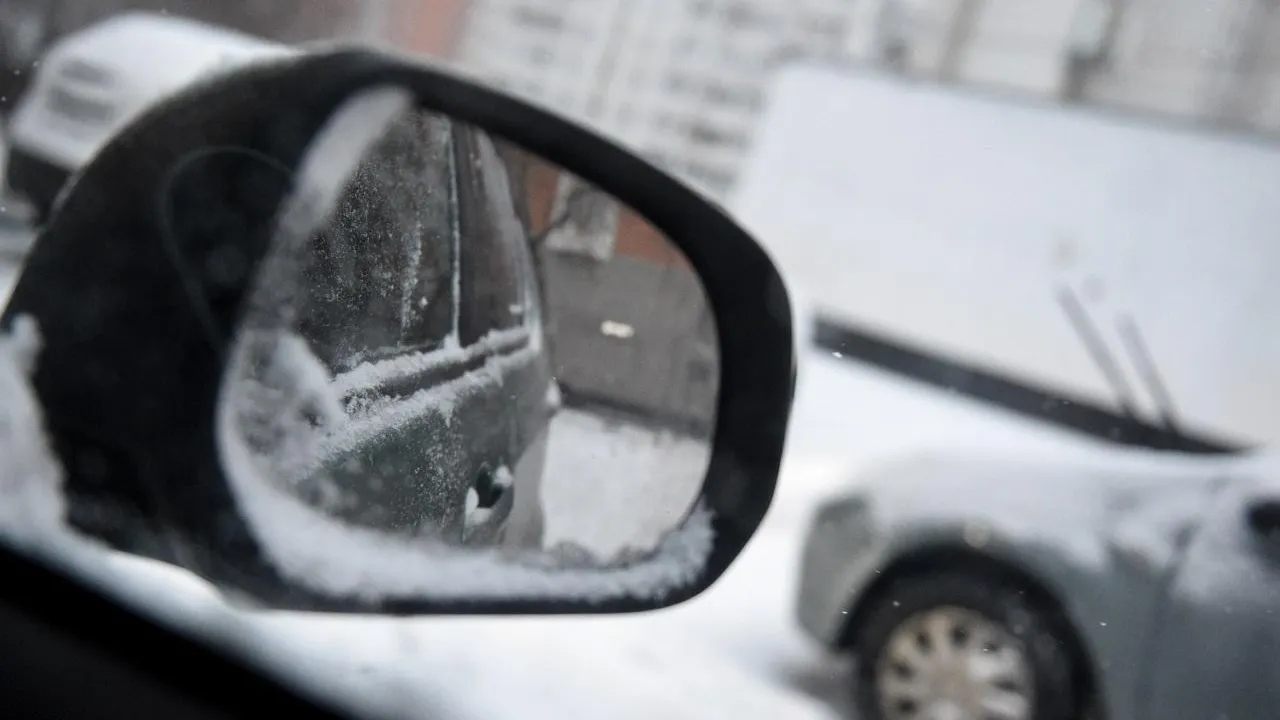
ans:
(908, 605)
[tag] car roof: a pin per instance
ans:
(118, 35)
(158, 49)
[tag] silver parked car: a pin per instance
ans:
(1141, 586)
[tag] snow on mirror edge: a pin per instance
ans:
(32, 505)
(308, 547)
(31, 502)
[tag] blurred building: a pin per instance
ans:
(1213, 60)
(682, 80)
(679, 80)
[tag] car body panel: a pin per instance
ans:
(1217, 651)
(417, 457)
(1103, 535)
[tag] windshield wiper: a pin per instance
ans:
(1097, 349)
(1146, 367)
(1138, 353)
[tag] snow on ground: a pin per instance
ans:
(733, 652)
(638, 482)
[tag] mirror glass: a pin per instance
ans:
(464, 371)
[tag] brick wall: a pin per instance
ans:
(668, 369)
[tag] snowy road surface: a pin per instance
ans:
(638, 483)
(734, 652)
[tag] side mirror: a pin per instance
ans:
(345, 332)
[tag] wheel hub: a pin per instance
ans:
(951, 663)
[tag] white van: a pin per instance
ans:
(93, 82)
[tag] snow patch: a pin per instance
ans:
(31, 502)
(371, 374)
(554, 399)
(639, 485)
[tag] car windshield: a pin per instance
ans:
(1031, 470)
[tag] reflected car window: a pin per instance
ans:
(396, 214)
(493, 289)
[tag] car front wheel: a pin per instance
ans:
(954, 646)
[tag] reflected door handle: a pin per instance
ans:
(487, 491)
(1263, 517)
(490, 487)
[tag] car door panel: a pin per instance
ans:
(434, 338)
(1216, 652)
(383, 310)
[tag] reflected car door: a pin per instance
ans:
(1217, 652)
(383, 315)
(499, 329)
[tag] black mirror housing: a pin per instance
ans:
(129, 374)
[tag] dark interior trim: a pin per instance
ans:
(79, 653)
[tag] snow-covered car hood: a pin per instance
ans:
(1088, 505)
(955, 480)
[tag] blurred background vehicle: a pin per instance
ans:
(954, 186)
(970, 586)
(92, 82)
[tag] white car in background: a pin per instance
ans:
(93, 82)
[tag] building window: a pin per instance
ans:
(537, 18)
(740, 16)
(720, 94)
(705, 134)
(541, 56)
(659, 156)
(712, 178)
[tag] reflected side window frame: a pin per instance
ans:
(411, 338)
(427, 334)
(485, 236)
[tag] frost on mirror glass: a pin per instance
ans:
(471, 374)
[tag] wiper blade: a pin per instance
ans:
(1097, 349)
(1146, 367)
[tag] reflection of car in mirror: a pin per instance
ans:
(419, 300)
